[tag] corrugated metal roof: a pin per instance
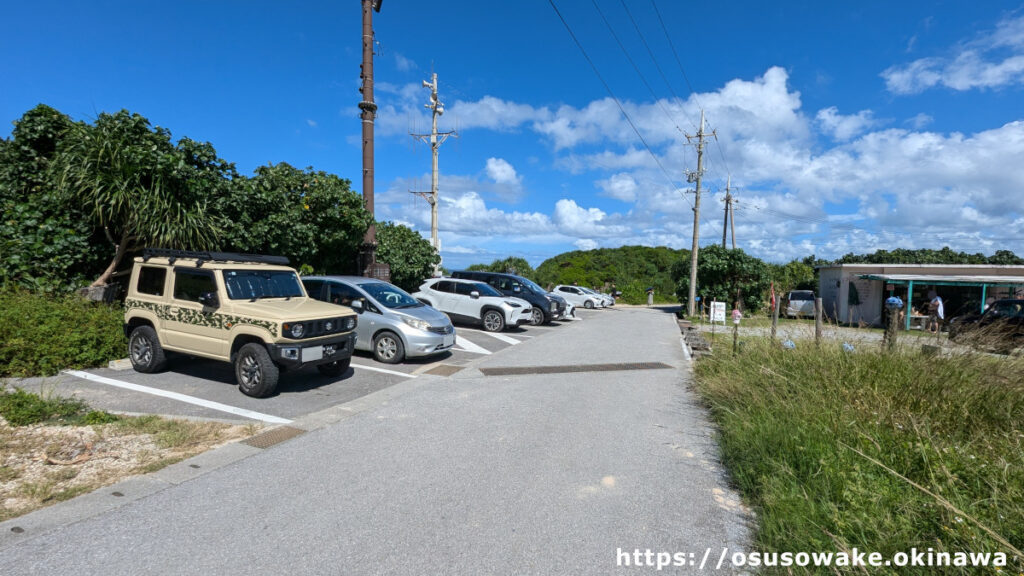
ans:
(947, 279)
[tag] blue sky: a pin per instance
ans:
(845, 127)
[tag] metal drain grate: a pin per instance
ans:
(522, 370)
(275, 436)
(444, 370)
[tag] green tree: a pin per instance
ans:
(634, 266)
(46, 243)
(133, 182)
(794, 275)
(725, 275)
(510, 265)
(311, 217)
(411, 257)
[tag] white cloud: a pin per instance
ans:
(843, 128)
(499, 170)
(311, 123)
(574, 220)
(404, 64)
(585, 244)
(620, 186)
(920, 121)
(990, 61)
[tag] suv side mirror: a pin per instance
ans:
(474, 294)
(357, 305)
(209, 299)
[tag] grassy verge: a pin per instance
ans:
(882, 452)
(53, 449)
(43, 334)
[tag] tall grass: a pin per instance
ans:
(827, 447)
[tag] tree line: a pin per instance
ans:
(725, 275)
(78, 198)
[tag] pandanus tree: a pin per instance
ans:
(137, 185)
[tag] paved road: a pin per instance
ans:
(540, 472)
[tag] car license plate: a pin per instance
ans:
(312, 353)
(449, 340)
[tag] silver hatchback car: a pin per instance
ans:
(392, 324)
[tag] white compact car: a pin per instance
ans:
(473, 302)
(606, 299)
(579, 297)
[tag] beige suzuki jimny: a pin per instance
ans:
(246, 309)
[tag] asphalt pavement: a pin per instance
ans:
(554, 455)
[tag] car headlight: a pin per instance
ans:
(513, 304)
(416, 323)
(350, 323)
(294, 329)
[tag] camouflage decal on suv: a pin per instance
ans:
(199, 318)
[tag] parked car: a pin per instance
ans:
(579, 297)
(473, 302)
(800, 303)
(1000, 326)
(246, 309)
(545, 307)
(606, 299)
(392, 324)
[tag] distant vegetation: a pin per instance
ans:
(631, 268)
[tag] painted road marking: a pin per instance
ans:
(179, 397)
(502, 337)
(467, 346)
(385, 371)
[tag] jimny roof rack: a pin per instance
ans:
(203, 257)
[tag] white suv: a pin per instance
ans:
(474, 302)
(579, 297)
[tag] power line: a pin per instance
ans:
(615, 98)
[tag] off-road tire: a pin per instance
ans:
(536, 316)
(388, 348)
(145, 352)
(334, 369)
(256, 373)
(493, 320)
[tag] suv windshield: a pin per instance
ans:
(390, 296)
(256, 284)
(533, 286)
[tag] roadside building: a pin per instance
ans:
(854, 293)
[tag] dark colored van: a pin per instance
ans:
(546, 307)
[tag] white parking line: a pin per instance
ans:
(385, 371)
(179, 397)
(503, 338)
(467, 346)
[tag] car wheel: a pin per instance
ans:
(255, 372)
(145, 351)
(333, 369)
(494, 321)
(536, 317)
(388, 348)
(589, 305)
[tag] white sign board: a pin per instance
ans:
(718, 312)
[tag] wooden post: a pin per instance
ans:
(891, 330)
(735, 337)
(817, 321)
(775, 318)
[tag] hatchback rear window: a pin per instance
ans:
(801, 295)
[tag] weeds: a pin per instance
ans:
(21, 408)
(883, 452)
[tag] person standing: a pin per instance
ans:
(936, 313)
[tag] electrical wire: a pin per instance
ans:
(617, 101)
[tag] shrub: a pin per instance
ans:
(44, 334)
(21, 408)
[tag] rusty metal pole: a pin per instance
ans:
(368, 251)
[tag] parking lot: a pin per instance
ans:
(200, 388)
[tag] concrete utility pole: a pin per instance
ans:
(730, 214)
(368, 265)
(696, 177)
(437, 109)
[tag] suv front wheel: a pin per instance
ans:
(145, 351)
(494, 321)
(255, 371)
(536, 316)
